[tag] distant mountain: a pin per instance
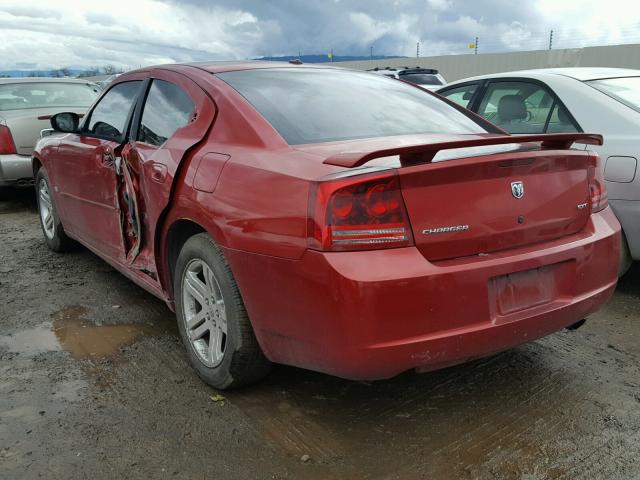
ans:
(72, 72)
(62, 72)
(76, 71)
(325, 58)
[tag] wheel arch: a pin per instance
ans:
(173, 234)
(36, 164)
(176, 236)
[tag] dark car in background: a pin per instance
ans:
(428, 78)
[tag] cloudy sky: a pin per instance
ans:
(128, 33)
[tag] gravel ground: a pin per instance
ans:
(94, 384)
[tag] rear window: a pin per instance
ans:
(314, 105)
(18, 96)
(626, 90)
(421, 78)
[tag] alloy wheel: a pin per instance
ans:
(204, 313)
(46, 209)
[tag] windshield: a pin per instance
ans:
(19, 96)
(625, 90)
(323, 105)
(421, 78)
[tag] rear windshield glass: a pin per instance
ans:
(625, 90)
(421, 78)
(19, 96)
(315, 105)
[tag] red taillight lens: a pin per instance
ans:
(6, 141)
(599, 196)
(361, 213)
(597, 188)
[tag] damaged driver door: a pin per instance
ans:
(174, 117)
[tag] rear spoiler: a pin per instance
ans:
(424, 152)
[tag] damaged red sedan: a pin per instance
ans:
(328, 219)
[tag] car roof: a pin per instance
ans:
(578, 73)
(4, 81)
(234, 65)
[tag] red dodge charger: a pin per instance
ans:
(329, 219)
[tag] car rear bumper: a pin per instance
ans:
(374, 314)
(15, 170)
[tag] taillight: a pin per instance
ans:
(597, 188)
(358, 213)
(6, 141)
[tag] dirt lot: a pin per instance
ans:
(94, 384)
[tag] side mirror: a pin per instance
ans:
(66, 122)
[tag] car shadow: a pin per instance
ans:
(310, 413)
(13, 200)
(629, 283)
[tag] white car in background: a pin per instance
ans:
(595, 100)
(26, 105)
(428, 78)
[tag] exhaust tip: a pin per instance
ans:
(25, 182)
(577, 325)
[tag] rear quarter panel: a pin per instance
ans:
(259, 200)
(252, 208)
(254, 195)
(26, 125)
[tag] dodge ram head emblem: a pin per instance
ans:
(517, 189)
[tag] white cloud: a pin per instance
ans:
(439, 5)
(592, 22)
(130, 33)
(141, 32)
(516, 36)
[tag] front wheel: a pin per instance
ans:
(54, 234)
(212, 320)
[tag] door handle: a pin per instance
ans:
(107, 158)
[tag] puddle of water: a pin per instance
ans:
(71, 331)
(83, 339)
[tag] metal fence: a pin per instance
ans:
(454, 67)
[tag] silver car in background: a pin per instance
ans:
(26, 105)
(554, 100)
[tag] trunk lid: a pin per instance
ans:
(25, 125)
(484, 204)
(474, 194)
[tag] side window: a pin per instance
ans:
(560, 121)
(109, 117)
(461, 95)
(523, 107)
(167, 108)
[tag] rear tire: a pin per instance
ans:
(52, 229)
(212, 320)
